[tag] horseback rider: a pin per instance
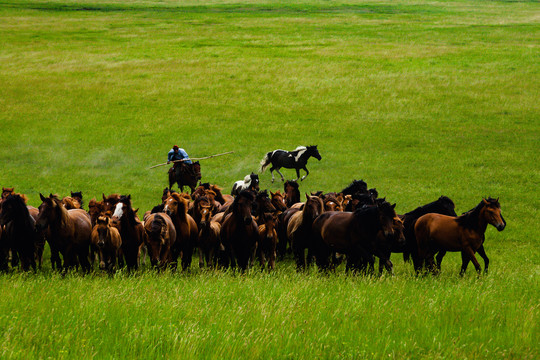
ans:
(177, 153)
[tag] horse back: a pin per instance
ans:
(82, 225)
(438, 231)
(335, 230)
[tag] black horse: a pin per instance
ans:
(296, 159)
(443, 205)
(20, 233)
(185, 175)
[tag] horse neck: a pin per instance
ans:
(63, 222)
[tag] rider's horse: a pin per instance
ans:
(465, 233)
(185, 175)
(296, 159)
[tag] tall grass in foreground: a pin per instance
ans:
(280, 315)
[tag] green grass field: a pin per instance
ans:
(419, 99)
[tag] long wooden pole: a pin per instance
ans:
(200, 158)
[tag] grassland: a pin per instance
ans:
(419, 99)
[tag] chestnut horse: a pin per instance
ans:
(354, 234)
(299, 230)
(131, 230)
(20, 235)
(68, 231)
(176, 206)
(161, 240)
(209, 230)
(107, 241)
(465, 233)
(239, 231)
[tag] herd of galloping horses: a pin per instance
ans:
(354, 226)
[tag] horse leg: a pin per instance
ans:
(201, 257)
(482, 252)
(280, 174)
(297, 174)
(469, 254)
(306, 170)
(439, 258)
(272, 173)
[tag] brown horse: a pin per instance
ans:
(299, 230)
(160, 240)
(109, 202)
(176, 206)
(68, 231)
(278, 200)
(131, 230)
(106, 239)
(268, 241)
(354, 234)
(262, 205)
(209, 230)
(292, 194)
(95, 210)
(465, 233)
(70, 203)
(239, 231)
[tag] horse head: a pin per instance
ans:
(102, 223)
(177, 204)
(313, 207)
(254, 182)
(49, 211)
(492, 213)
(156, 238)
(203, 209)
(12, 207)
(278, 200)
(446, 205)
(312, 151)
(387, 216)
(242, 206)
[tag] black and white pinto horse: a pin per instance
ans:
(250, 182)
(296, 159)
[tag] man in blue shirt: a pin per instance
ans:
(177, 153)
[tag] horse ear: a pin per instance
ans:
(129, 196)
(393, 206)
(497, 199)
(485, 201)
(42, 197)
(104, 198)
(307, 196)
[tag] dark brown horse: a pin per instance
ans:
(131, 230)
(440, 233)
(19, 233)
(109, 202)
(209, 239)
(299, 230)
(107, 241)
(68, 231)
(160, 240)
(262, 205)
(176, 206)
(239, 231)
(267, 241)
(292, 193)
(185, 175)
(353, 234)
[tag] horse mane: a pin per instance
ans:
(246, 194)
(431, 207)
(469, 219)
(298, 148)
(182, 201)
(19, 206)
(357, 186)
(161, 226)
(130, 213)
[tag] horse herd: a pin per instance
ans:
(353, 225)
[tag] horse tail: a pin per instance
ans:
(265, 161)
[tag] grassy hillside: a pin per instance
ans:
(419, 99)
